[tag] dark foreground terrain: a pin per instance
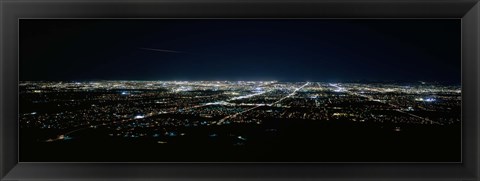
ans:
(301, 141)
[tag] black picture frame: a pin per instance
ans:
(13, 10)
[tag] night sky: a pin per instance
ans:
(242, 49)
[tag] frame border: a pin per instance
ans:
(12, 10)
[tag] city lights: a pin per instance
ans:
(168, 113)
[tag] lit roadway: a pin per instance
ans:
(370, 98)
(172, 111)
(290, 95)
(239, 113)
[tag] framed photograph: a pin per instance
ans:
(227, 90)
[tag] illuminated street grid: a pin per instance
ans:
(159, 109)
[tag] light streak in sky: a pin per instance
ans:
(161, 50)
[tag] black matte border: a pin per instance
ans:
(12, 10)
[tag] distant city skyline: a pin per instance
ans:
(317, 50)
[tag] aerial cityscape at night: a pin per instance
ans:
(183, 112)
(240, 90)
